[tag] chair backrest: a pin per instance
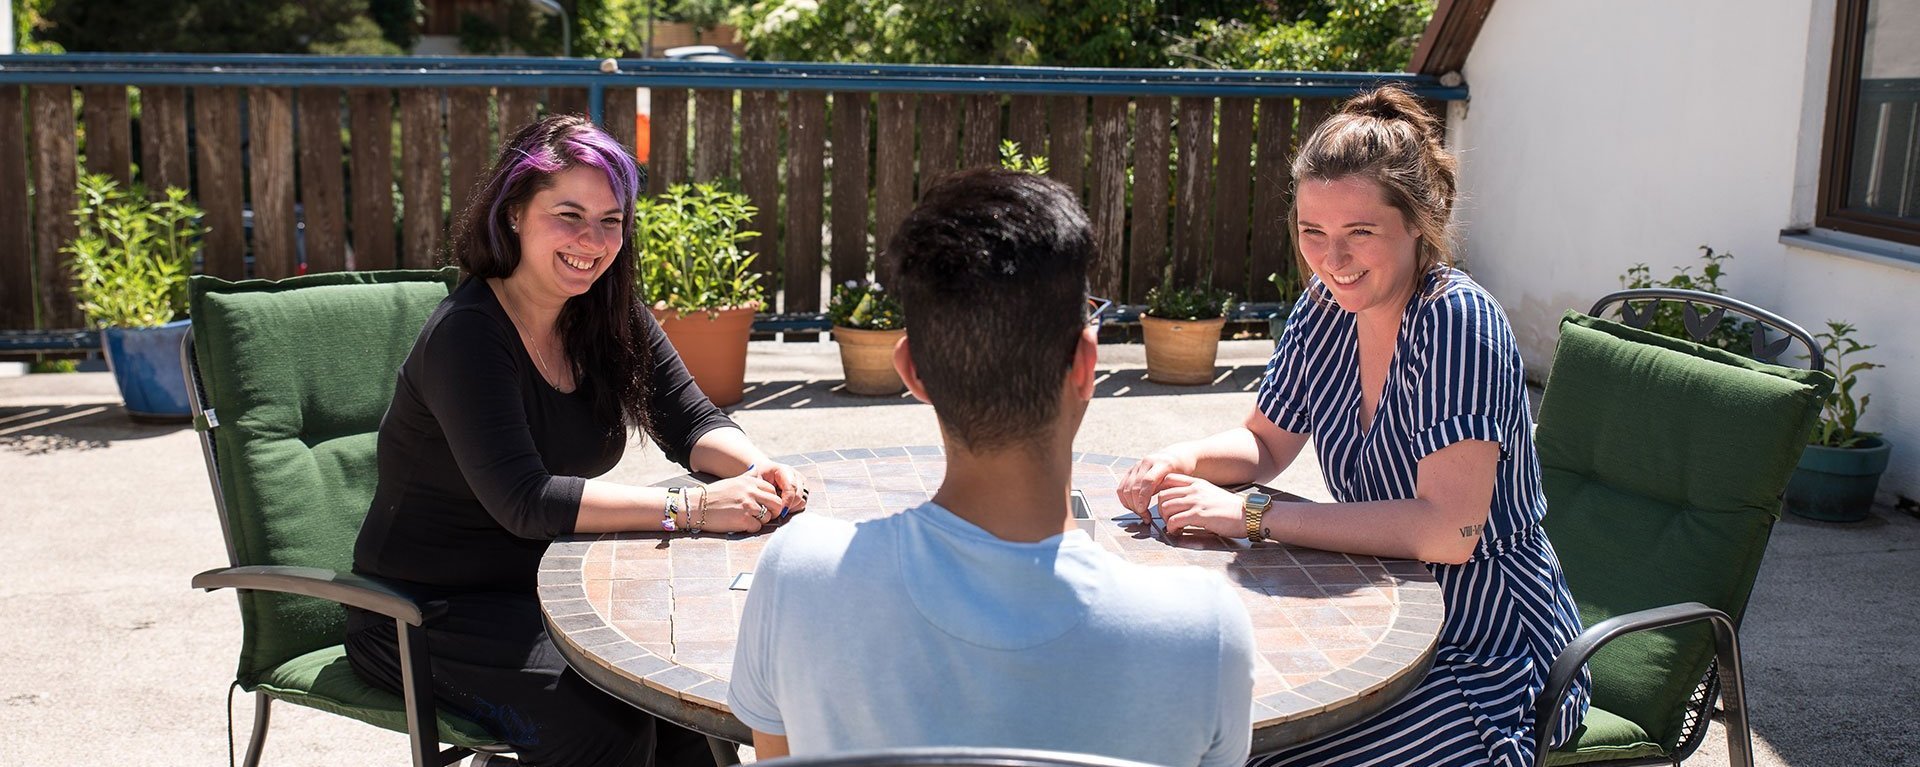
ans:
(1638, 307)
(954, 757)
(296, 374)
(1663, 462)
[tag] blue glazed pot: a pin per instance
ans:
(1837, 485)
(146, 365)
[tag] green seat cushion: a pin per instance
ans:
(322, 679)
(1663, 463)
(299, 373)
(1604, 736)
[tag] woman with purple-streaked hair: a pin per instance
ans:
(525, 384)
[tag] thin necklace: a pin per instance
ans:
(538, 358)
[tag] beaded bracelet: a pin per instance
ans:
(666, 516)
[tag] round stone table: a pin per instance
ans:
(652, 617)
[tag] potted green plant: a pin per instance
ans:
(1840, 469)
(699, 282)
(867, 323)
(131, 258)
(1289, 289)
(1182, 328)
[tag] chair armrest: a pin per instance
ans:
(1566, 667)
(349, 589)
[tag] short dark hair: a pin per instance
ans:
(993, 277)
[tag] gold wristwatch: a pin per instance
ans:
(1253, 509)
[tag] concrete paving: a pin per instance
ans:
(106, 649)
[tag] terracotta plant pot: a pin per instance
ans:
(867, 358)
(714, 348)
(1181, 351)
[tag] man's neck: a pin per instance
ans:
(1016, 494)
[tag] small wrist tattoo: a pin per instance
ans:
(1471, 531)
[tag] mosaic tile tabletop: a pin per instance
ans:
(1339, 635)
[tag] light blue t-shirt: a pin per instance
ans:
(921, 629)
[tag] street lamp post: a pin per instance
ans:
(566, 25)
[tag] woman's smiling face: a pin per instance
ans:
(569, 233)
(1361, 247)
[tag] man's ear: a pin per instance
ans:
(1086, 358)
(903, 364)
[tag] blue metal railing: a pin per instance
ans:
(461, 71)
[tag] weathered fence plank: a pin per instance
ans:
(1152, 138)
(518, 108)
(713, 135)
(1193, 199)
(163, 139)
(939, 142)
(16, 242)
(371, 111)
(852, 140)
(667, 164)
(760, 173)
(1231, 196)
(806, 163)
(323, 196)
(1312, 113)
(618, 110)
(422, 221)
(469, 144)
(109, 134)
(1107, 194)
(1027, 124)
(1067, 141)
(981, 144)
(270, 165)
(892, 176)
(216, 150)
(1273, 180)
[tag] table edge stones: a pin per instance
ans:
(696, 699)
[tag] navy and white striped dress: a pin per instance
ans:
(1456, 375)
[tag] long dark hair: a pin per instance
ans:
(601, 329)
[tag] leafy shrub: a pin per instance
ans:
(689, 250)
(865, 306)
(1187, 302)
(1343, 35)
(1840, 414)
(1668, 319)
(1012, 159)
(132, 255)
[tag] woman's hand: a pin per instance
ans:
(1147, 477)
(1193, 502)
(739, 504)
(787, 482)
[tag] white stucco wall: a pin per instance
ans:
(1604, 133)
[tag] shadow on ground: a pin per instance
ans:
(44, 429)
(1122, 382)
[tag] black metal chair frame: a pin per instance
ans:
(1726, 637)
(410, 615)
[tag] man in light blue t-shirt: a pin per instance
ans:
(986, 618)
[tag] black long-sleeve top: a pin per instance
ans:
(482, 462)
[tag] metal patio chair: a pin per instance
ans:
(288, 381)
(1663, 461)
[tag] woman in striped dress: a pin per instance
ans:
(1406, 375)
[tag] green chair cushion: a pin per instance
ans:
(1663, 463)
(1604, 737)
(299, 373)
(322, 679)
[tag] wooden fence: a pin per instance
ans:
(341, 169)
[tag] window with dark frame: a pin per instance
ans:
(1870, 158)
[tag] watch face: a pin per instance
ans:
(1259, 500)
